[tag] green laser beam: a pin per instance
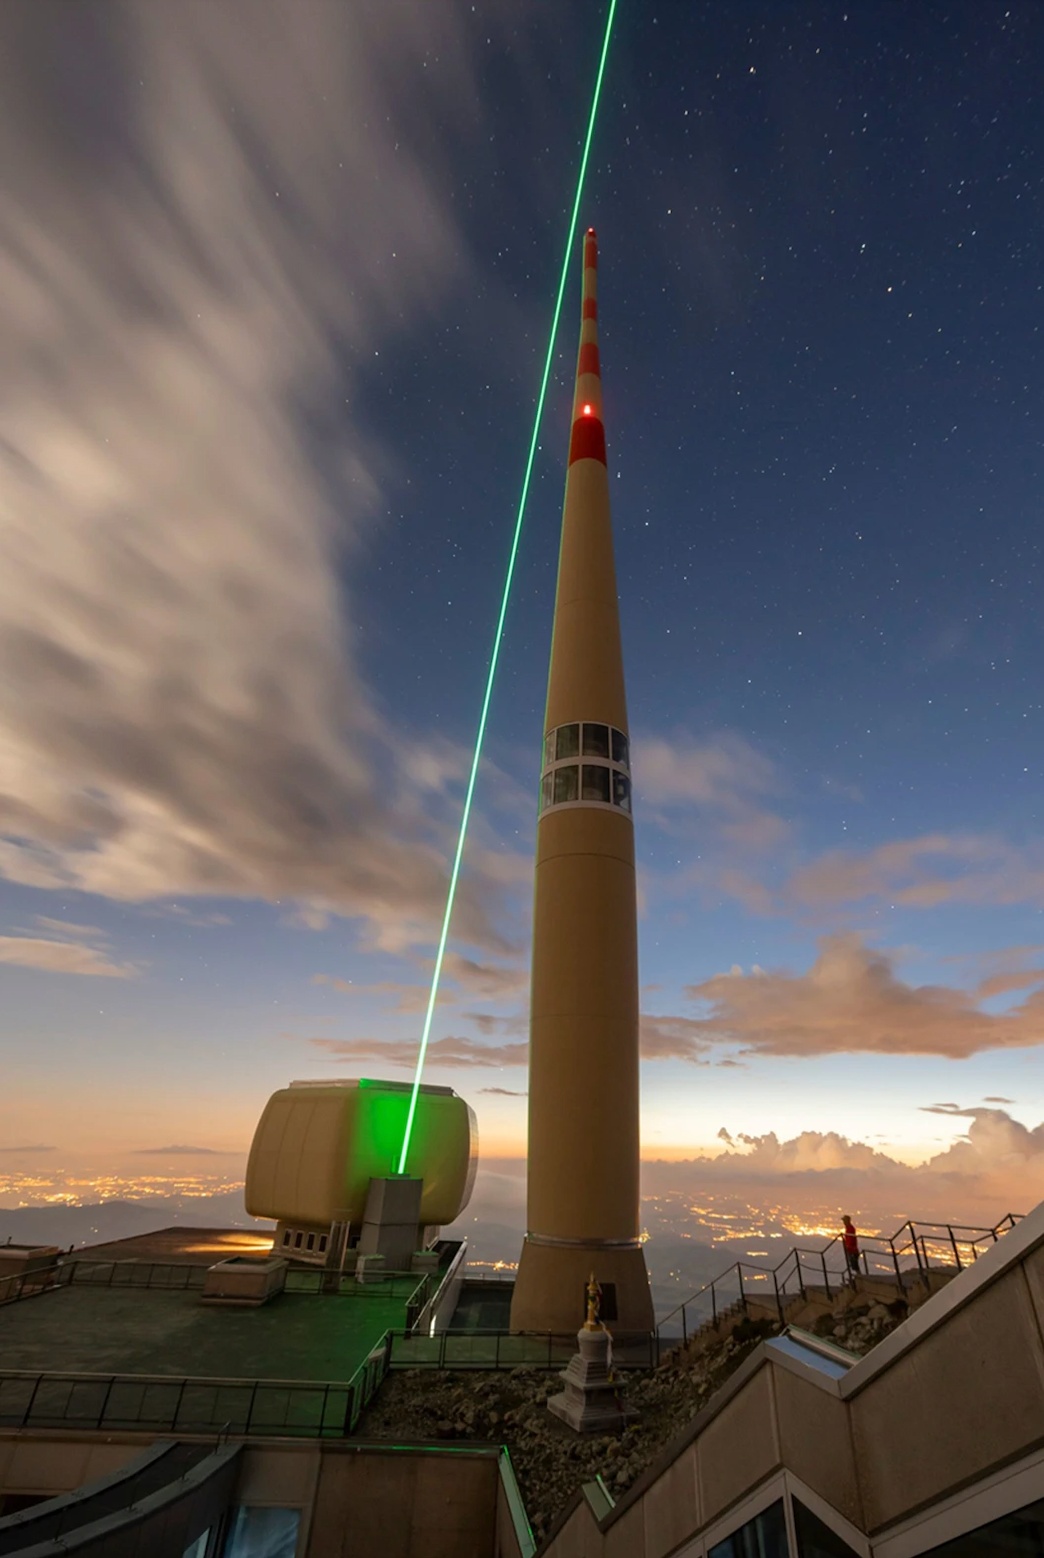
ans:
(499, 634)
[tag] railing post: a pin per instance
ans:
(250, 1408)
(685, 1338)
(105, 1402)
(779, 1301)
(714, 1306)
(826, 1279)
(956, 1251)
(32, 1398)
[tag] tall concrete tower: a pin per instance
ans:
(582, 1207)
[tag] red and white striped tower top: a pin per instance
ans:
(588, 440)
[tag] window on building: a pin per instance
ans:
(621, 746)
(816, 1540)
(1018, 1535)
(621, 791)
(297, 1241)
(257, 1532)
(595, 783)
(322, 1243)
(286, 1236)
(763, 1537)
(567, 784)
(310, 1244)
(596, 740)
(547, 787)
(567, 743)
(198, 1548)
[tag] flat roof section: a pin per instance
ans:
(101, 1330)
(181, 1246)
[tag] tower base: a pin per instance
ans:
(550, 1289)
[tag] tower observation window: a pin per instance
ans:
(566, 784)
(596, 740)
(603, 778)
(567, 742)
(595, 784)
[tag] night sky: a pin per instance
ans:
(278, 279)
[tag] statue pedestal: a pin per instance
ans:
(591, 1403)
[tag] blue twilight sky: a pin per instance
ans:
(278, 279)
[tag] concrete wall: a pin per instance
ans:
(969, 1397)
(950, 1397)
(404, 1504)
(50, 1465)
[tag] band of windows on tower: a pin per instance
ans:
(586, 763)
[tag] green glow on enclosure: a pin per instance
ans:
(499, 634)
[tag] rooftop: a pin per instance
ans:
(91, 1327)
(182, 1246)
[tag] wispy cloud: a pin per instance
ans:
(61, 957)
(673, 1038)
(446, 1051)
(181, 707)
(32, 1147)
(724, 776)
(181, 1151)
(924, 873)
(70, 928)
(407, 998)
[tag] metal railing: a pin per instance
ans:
(180, 1275)
(157, 1403)
(504, 1350)
(909, 1255)
(475, 1272)
(26, 1284)
(413, 1289)
(425, 1307)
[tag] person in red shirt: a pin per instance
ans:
(850, 1241)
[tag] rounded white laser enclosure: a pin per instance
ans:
(318, 1144)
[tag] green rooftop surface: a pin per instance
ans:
(99, 1330)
